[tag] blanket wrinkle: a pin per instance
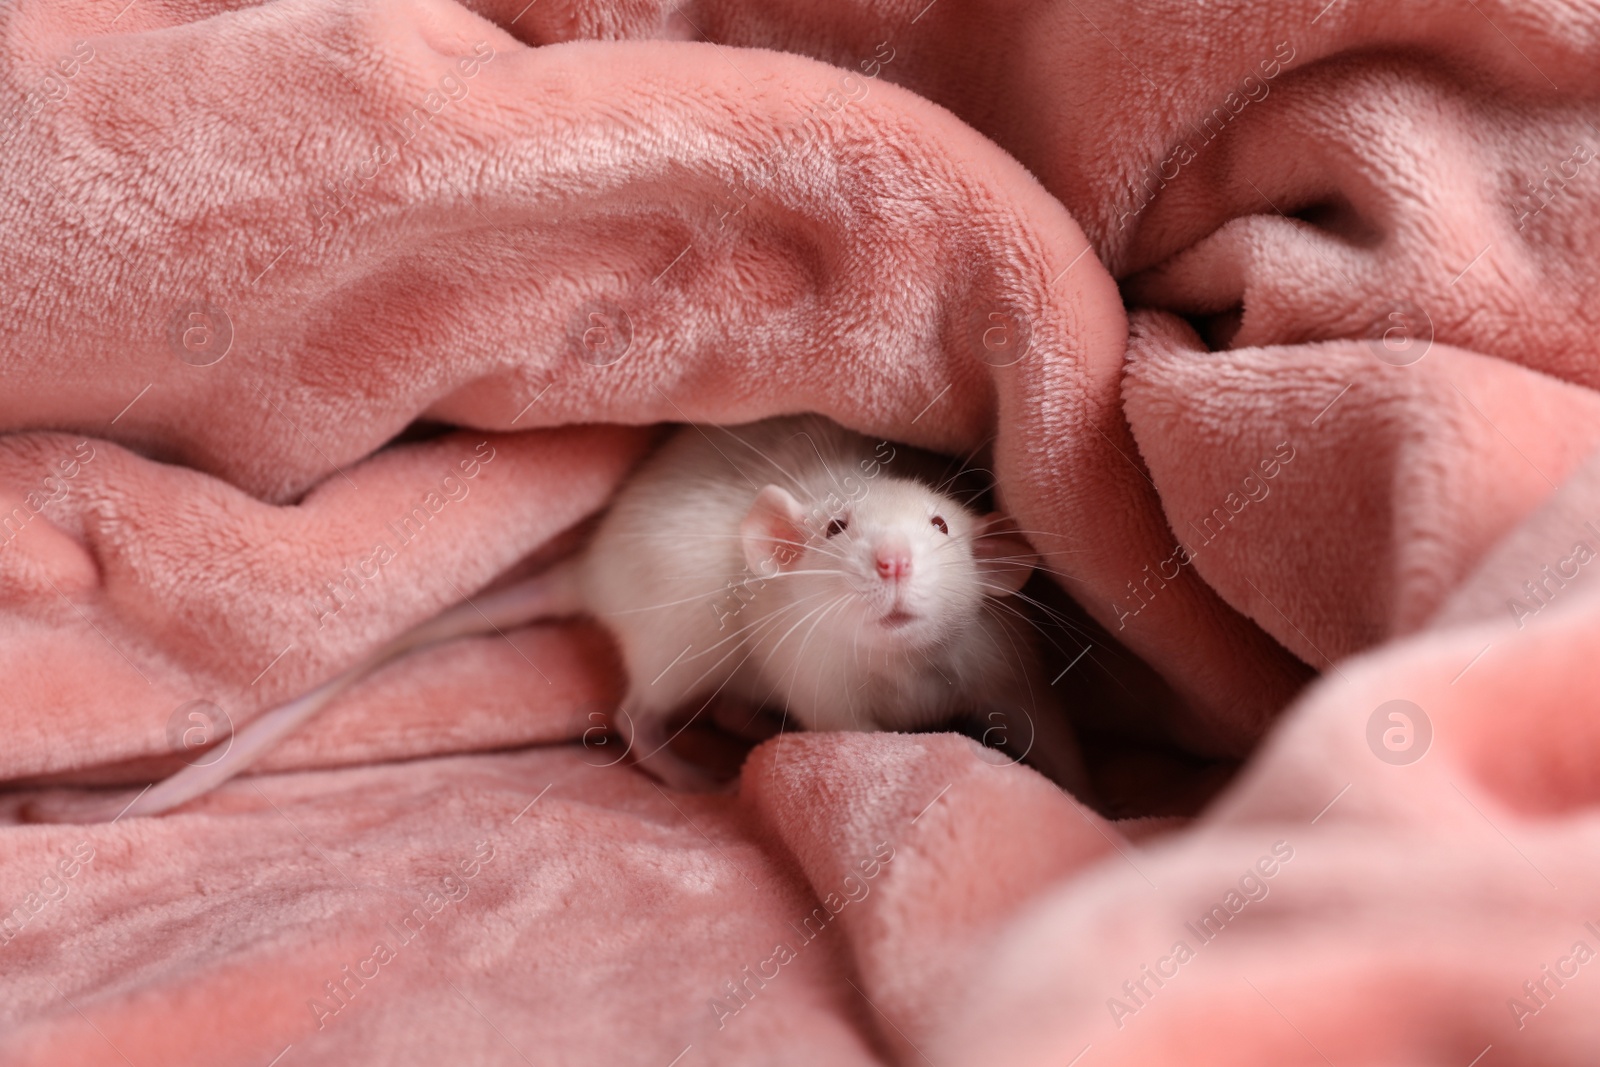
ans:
(1454, 450)
(244, 604)
(1277, 321)
(889, 852)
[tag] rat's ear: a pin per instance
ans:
(1005, 559)
(773, 532)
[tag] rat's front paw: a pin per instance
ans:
(675, 772)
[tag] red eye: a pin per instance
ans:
(837, 526)
(940, 524)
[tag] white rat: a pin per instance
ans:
(779, 563)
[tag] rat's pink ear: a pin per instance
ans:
(773, 532)
(1005, 559)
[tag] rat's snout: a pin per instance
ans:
(893, 558)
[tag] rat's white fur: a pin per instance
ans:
(716, 572)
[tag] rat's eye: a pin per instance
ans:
(940, 524)
(837, 526)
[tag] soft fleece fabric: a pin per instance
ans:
(246, 246)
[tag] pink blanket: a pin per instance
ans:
(1326, 488)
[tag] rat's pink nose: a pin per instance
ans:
(894, 562)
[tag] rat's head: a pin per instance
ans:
(894, 564)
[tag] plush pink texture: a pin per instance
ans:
(248, 247)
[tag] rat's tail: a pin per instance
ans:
(553, 594)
